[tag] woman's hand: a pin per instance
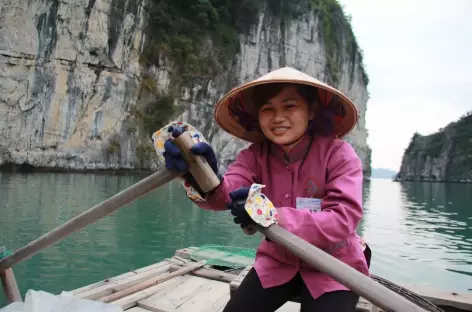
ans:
(238, 199)
(174, 160)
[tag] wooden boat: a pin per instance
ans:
(182, 284)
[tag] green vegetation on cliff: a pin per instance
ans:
(199, 37)
(442, 156)
(202, 37)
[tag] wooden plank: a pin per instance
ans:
(152, 281)
(208, 273)
(174, 298)
(376, 309)
(156, 306)
(131, 301)
(220, 304)
(119, 285)
(118, 277)
(364, 306)
(233, 261)
(206, 299)
(138, 309)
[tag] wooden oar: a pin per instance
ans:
(359, 283)
(199, 168)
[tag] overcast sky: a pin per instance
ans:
(418, 55)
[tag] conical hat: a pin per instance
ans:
(236, 114)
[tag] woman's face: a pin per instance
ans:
(284, 118)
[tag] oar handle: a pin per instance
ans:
(359, 283)
(198, 166)
(319, 260)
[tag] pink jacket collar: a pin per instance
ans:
(296, 154)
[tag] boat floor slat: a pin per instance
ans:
(162, 288)
(119, 277)
(175, 297)
(138, 309)
(194, 292)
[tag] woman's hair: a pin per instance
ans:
(322, 122)
(264, 92)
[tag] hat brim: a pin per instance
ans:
(342, 124)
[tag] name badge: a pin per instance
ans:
(312, 204)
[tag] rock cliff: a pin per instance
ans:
(444, 156)
(83, 83)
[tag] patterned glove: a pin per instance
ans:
(174, 160)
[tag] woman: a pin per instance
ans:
(313, 179)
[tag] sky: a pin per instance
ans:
(418, 56)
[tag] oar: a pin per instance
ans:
(359, 283)
(199, 168)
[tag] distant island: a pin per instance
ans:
(444, 156)
(382, 173)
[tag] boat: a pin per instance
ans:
(188, 281)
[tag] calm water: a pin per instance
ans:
(420, 233)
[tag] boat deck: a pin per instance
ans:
(180, 284)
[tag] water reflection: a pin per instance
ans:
(420, 233)
(438, 216)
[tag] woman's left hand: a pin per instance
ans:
(238, 200)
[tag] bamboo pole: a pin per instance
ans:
(10, 287)
(106, 207)
(361, 284)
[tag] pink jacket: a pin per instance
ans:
(323, 168)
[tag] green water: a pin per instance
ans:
(420, 233)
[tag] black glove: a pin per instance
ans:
(238, 199)
(174, 161)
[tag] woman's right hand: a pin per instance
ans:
(174, 160)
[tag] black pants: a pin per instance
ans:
(250, 296)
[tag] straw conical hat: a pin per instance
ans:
(235, 111)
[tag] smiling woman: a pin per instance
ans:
(312, 186)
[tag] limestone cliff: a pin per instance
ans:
(444, 156)
(84, 82)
